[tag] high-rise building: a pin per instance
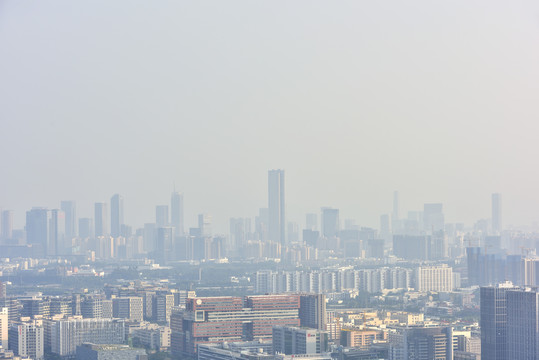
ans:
(101, 219)
(330, 222)
(4, 322)
(292, 340)
(69, 208)
(37, 230)
(161, 216)
(522, 324)
(239, 232)
(395, 214)
(493, 321)
(163, 251)
(433, 218)
(7, 224)
(434, 278)
(57, 243)
(311, 222)
(86, 228)
(67, 334)
(129, 307)
(204, 224)
(162, 307)
(312, 311)
(497, 213)
(116, 215)
(3, 290)
(26, 339)
(92, 307)
(176, 213)
(276, 207)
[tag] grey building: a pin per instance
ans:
(276, 207)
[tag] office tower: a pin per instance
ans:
(310, 237)
(86, 228)
(61, 305)
(101, 219)
(149, 237)
(410, 247)
(26, 339)
(261, 224)
(3, 290)
(230, 318)
(530, 271)
(522, 324)
(37, 230)
(7, 224)
(312, 311)
(433, 218)
(276, 207)
(420, 343)
(493, 321)
(35, 306)
(204, 224)
(162, 307)
(240, 229)
(116, 215)
(92, 307)
(395, 214)
(330, 222)
(176, 213)
(292, 232)
(101, 352)
(4, 321)
(311, 222)
(163, 252)
(67, 334)
(385, 227)
(161, 216)
(57, 242)
(128, 308)
(70, 210)
(291, 340)
(375, 248)
(497, 213)
(434, 278)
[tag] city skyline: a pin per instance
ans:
(451, 121)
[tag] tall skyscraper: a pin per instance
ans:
(7, 224)
(37, 230)
(176, 213)
(395, 214)
(204, 224)
(276, 206)
(311, 222)
(70, 210)
(56, 233)
(312, 311)
(116, 215)
(493, 321)
(497, 213)
(330, 222)
(522, 324)
(433, 218)
(161, 216)
(101, 219)
(86, 228)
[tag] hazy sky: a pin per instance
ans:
(354, 99)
